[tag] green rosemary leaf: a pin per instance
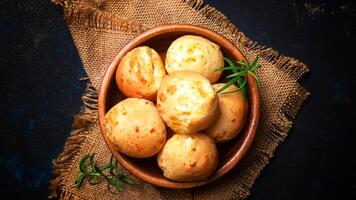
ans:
(238, 74)
(242, 63)
(101, 173)
(118, 170)
(94, 180)
(228, 84)
(107, 166)
(114, 186)
(225, 68)
(83, 165)
(229, 61)
(97, 174)
(94, 168)
(127, 180)
(243, 85)
(254, 68)
(112, 158)
(254, 62)
(92, 164)
(257, 79)
(112, 165)
(232, 64)
(244, 89)
(112, 189)
(118, 185)
(114, 170)
(79, 180)
(237, 89)
(242, 82)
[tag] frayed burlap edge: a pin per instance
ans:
(81, 127)
(89, 17)
(277, 131)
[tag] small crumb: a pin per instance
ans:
(186, 113)
(172, 117)
(313, 9)
(171, 89)
(344, 7)
(162, 97)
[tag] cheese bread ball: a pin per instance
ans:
(197, 54)
(187, 102)
(233, 113)
(140, 73)
(135, 128)
(188, 157)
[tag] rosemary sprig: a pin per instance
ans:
(239, 69)
(95, 174)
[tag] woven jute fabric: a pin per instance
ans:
(100, 28)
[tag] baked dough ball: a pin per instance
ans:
(197, 54)
(140, 73)
(233, 113)
(135, 128)
(187, 102)
(188, 157)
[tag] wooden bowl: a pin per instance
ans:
(230, 153)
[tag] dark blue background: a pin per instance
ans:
(40, 94)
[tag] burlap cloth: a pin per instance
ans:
(101, 27)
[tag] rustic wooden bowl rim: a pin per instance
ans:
(251, 122)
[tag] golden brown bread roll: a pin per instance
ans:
(187, 102)
(233, 113)
(140, 73)
(188, 157)
(135, 128)
(197, 54)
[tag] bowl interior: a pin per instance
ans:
(230, 152)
